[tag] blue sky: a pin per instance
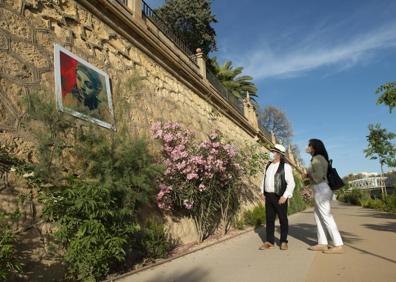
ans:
(320, 62)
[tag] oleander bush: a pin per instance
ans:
(204, 179)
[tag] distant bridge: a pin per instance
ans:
(369, 183)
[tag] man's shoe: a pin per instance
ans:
(284, 246)
(266, 246)
(335, 250)
(318, 248)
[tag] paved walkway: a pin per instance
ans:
(370, 254)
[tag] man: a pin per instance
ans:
(277, 188)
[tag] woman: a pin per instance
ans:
(317, 174)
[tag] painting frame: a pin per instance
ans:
(59, 89)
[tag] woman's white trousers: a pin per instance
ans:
(323, 216)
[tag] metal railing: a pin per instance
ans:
(177, 39)
(237, 103)
(170, 33)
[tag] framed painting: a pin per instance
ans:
(81, 89)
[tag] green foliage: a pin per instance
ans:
(380, 146)
(256, 216)
(153, 241)
(232, 80)
(390, 203)
(191, 20)
(358, 197)
(297, 202)
(91, 220)
(239, 223)
(373, 203)
(253, 159)
(53, 131)
(118, 162)
(96, 182)
(354, 197)
(387, 95)
(8, 260)
(7, 161)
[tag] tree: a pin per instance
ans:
(296, 153)
(274, 120)
(388, 95)
(230, 77)
(191, 20)
(380, 146)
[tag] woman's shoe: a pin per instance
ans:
(318, 248)
(335, 250)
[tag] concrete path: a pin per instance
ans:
(370, 238)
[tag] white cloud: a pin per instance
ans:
(314, 51)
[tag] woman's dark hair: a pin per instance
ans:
(319, 148)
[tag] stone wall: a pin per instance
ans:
(28, 31)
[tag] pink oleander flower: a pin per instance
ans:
(216, 144)
(164, 188)
(180, 147)
(231, 151)
(158, 134)
(201, 187)
(168, 137)
(176, 155)
(181, 166)
(160, 195)
(192, 175)
(205, 144)
(188, 204)
(156, 126)
(214, 151)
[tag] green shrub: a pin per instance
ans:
(96, 213)
(8, 260)
(373, 204)
(359, 197)
(97, 181)
(390, 203)
(239, 223)
(91, 221)
(153, 242)
(256, 216)
(354, 197)
(297, 203)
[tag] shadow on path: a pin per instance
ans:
(387, 227)
(372, 254)
(194, 275)
(381, 215)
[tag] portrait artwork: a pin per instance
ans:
(82, 90)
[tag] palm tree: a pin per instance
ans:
(238, 86)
